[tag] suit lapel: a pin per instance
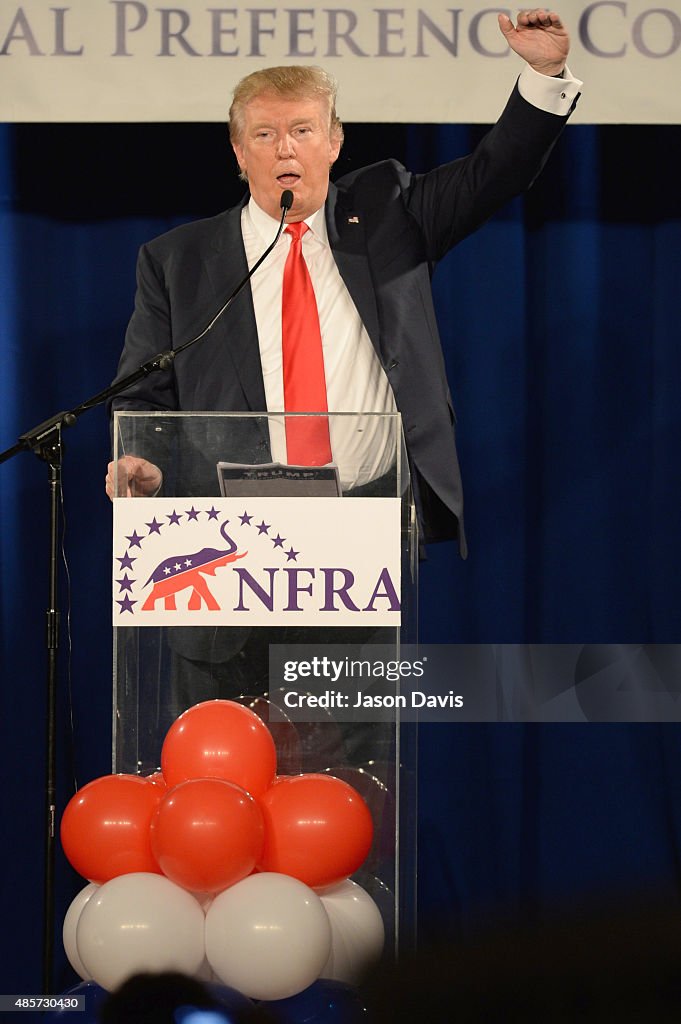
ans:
(347, 238)
(226, 267)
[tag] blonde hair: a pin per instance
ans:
(294, 81)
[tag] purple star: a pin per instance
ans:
(126, 583)
(245, 519)
(173, 518)
(126, 561)
(135, 539)
(263, 527)
(278, 541)
(154, 527)
(126, 604)
(212, 512)
(291, 555)
(192, 514)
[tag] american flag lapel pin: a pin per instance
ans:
(353, 220)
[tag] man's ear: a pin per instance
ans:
(239, 154)
(336, 142)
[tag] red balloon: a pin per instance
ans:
(220, 739)
(207, 834)
(105, 827)
(381, 803)
(317, 828)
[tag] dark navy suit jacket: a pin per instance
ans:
(387, 229)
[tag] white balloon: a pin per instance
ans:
(357, 932)
(139, 922)
(267, 936)
(69, 929)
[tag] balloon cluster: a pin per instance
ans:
(219, 868)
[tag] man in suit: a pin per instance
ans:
(374, 239)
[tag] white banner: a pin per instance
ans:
(256, 562)
(419, 61)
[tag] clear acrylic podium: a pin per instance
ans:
(225, 466)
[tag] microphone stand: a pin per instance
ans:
(45, 441)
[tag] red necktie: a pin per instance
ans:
(307, 437)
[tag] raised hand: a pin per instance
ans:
(539, 37)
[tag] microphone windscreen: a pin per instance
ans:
(286, 201)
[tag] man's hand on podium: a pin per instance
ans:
(133, 477)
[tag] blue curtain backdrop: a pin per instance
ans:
(560, 328)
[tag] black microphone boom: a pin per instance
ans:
(167, 358)
(161, 361)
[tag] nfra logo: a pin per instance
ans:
(289, 588)
(327, 588)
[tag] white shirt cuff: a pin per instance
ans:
(554, 95)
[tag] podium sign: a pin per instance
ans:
(236, 553)
(259, 561)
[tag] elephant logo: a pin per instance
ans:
(180, 572)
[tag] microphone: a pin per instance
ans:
(162, 360)
(165, 359)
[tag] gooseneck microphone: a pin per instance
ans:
(164, 360)
(167, 358)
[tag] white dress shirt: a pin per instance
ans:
(363, 447)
